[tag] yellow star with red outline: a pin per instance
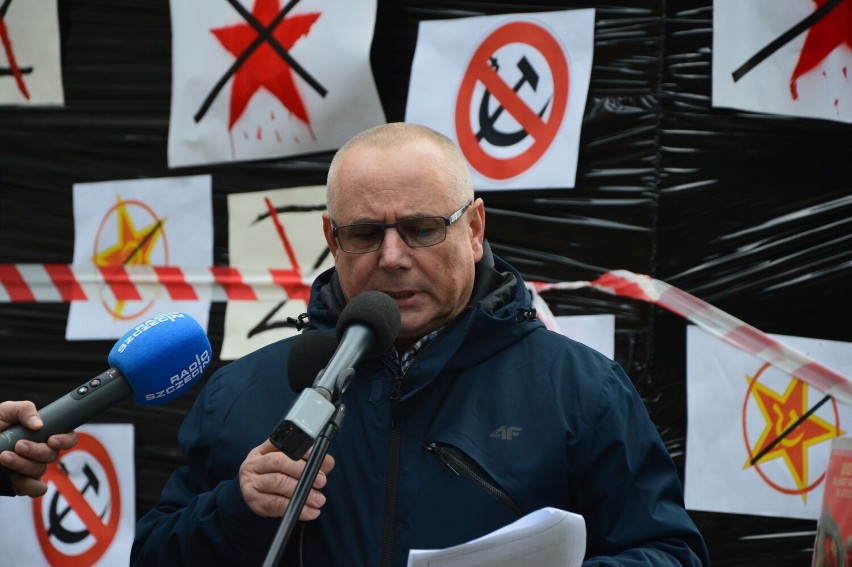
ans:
(780, 411)
(132, 248)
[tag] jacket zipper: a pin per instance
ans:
(390, 497)
(392, 484)
(464, 466)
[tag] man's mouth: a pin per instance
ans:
(400, 294)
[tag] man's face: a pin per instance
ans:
(431, 285)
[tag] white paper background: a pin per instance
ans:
(18, 538)
(33, 28)
(335, 52)
(184, 203)
(442, 55)
(596, 331)
(741, 29)
(257, 244)
(716, 454)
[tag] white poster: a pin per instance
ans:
(595, 331)
(30, 67)
(789, 57)
(738, 458)
(138, 222)
(278, 230)
(306, 86)
(510, 90)
(88, 515)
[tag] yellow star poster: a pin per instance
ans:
(120, 225)
(758, 438)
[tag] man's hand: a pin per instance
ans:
(28, 462)
(268, 479)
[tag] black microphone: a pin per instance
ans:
(367, 327)
(156, 361)
(309, 354)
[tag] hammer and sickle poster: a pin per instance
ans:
(88, 515)
(510, 90)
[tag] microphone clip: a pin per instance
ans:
(312, 410)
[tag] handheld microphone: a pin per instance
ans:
(156, 361)
(310, 353)
(367, 327)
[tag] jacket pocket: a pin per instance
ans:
(462, 465)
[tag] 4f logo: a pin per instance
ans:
(506, 432)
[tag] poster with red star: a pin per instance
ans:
(280, 231)
(833, 546)
(30, 67)
(510, 90)
(256, 79)
(119, 225)
(88, 514)
(792, 57)
(759, 439)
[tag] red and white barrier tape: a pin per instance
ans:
(21, 283)
(62, 283)
(622, 283)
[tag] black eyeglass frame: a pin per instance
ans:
(448, 221)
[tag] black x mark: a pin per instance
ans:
(784, 38)
(264, 34)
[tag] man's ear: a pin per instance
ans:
(329, 235)
(477, 228)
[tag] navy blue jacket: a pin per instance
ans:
(495, 419)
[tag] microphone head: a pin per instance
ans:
(309, 354)
(162, 357)
(376, 311)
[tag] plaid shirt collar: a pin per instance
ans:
(405, 360)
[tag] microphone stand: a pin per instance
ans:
(303, 487)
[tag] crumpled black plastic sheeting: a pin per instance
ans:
(749, 212)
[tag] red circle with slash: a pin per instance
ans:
(103, 532)
(479, 71)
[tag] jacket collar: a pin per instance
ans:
(497, 286)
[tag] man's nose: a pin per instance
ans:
(393, 251)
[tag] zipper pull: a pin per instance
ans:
(433, 447)
(396, 389)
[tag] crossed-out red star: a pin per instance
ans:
(132, 247)
(264, 68)
(779, 412)
(832, 31)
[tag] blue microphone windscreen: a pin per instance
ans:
(162, 357)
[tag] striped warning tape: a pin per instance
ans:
(725, 326)
(21, 283)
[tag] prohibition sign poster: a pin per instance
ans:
(87, 517)
(514, 100)
(738, 458)
(119, 225)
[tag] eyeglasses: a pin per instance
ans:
(418, 232)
